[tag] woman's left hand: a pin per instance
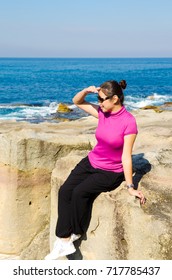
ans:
(138, 194)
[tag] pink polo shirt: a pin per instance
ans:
(110, 132)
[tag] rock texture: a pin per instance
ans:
(63, 108)
(28, 154)
(157, 109)
(36, 159)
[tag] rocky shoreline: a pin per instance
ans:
(36, 158)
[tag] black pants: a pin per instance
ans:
(77, 194)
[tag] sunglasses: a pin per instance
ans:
(101, 100)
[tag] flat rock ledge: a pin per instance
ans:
(35, 159)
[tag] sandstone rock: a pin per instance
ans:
(61, 119)
(28, 154)
(63, 108)
(157, 109)
(168, 104)
(25, 200)
(38, 248)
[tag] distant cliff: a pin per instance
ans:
(36, 158)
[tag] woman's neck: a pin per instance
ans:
(116, 108)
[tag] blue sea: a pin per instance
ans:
(32, 88)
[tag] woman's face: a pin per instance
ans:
(105, 103)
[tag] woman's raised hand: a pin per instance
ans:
(92, 89)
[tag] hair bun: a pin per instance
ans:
(123, 84)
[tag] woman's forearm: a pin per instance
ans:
(79, 98)
(128, 173)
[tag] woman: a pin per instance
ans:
(104, 169)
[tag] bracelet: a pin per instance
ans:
(130, 186)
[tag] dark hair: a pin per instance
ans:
(114, 88)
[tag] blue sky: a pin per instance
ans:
(85, 28)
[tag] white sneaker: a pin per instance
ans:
(74, 237)
(61, 248)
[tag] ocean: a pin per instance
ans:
(32, 88)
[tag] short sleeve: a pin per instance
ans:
(131, 126)
(100, 113)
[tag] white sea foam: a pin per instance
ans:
(72, 106)
(28, 112)
(48, 110)
(154, 99)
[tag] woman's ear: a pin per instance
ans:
(115, 99)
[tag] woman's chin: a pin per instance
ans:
(103, 109)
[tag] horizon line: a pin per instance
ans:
(84, 57)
